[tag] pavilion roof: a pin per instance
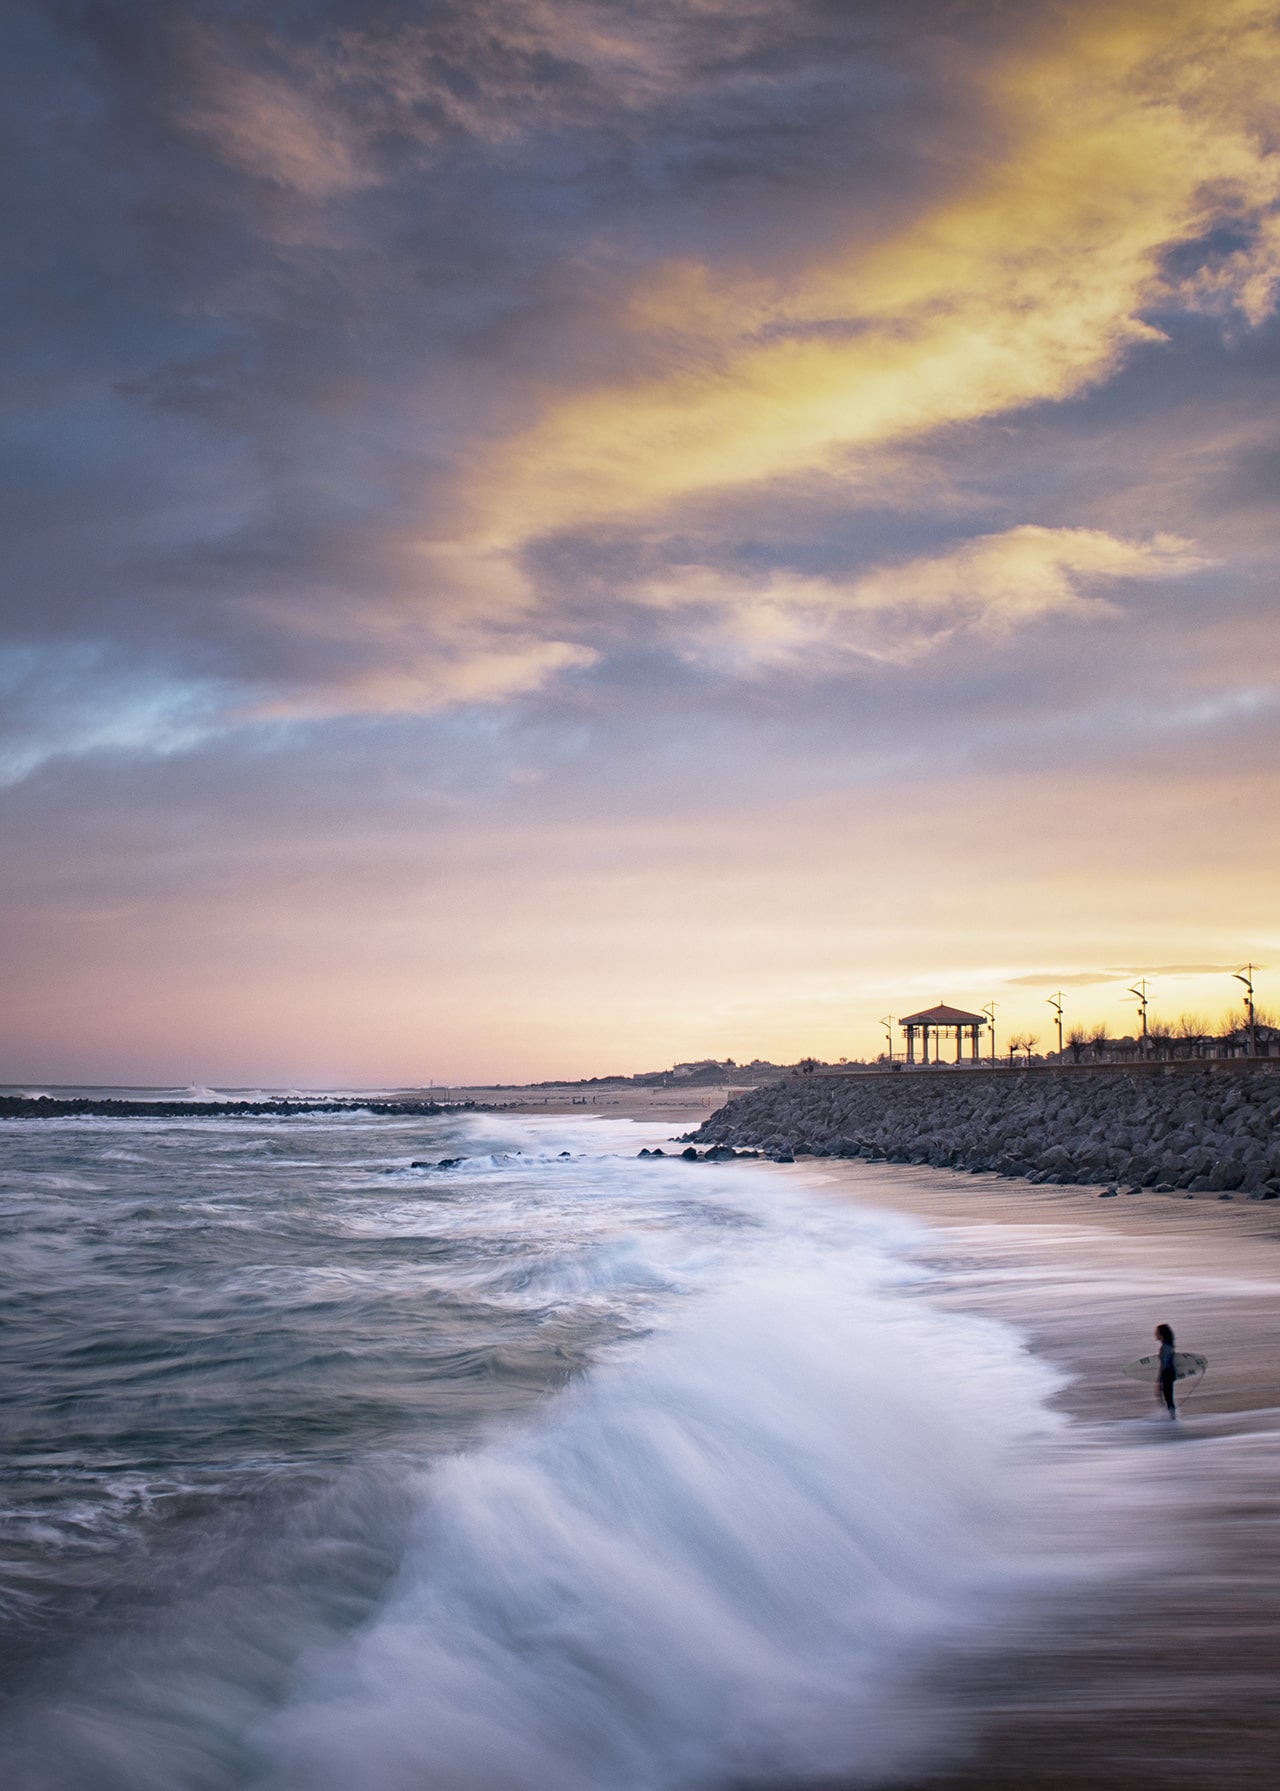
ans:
(942, 1015)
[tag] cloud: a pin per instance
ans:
(1244, 280)
(1084, 979)
(1089, 978)
(430, 677)
(1186, 969)
(276, 129)
(363, 466)
(70, 701)
(1134, 130)
(332, 113)
(991, 585)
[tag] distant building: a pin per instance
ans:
(1262, 1041)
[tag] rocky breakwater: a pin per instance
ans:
(1209, 1128)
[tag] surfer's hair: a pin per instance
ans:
(1165, 1333)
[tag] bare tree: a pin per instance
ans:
(1233, 1029)
(1077, 1039)
(1192, 1031)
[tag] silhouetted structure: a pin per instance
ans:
(939, 1020)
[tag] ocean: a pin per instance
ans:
(533, 1467)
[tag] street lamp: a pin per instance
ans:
(990, 1011)
(887, 1023)
(1245, 976)
(1055, 1002)
(1140, 990)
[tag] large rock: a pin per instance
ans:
(1199, 1126)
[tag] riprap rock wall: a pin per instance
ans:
(1203, 1128)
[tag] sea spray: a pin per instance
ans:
(711, 1564)
(540, 1471)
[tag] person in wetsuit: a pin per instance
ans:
(1168, 1373)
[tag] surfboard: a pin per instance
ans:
(1186, 1367)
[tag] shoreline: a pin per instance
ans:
(1161, 1672)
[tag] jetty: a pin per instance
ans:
(1211, 1128)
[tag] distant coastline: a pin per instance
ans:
(113, 1107)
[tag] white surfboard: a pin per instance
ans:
(1186, 1367)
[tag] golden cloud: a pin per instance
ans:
(1124, 131)
(990, 585)
(1135, 129)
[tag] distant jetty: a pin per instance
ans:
(90, 1107)
(1208, 1128)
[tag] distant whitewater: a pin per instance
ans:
(551, 1468)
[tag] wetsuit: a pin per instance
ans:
(1168, 1375)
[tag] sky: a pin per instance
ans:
(553, 537)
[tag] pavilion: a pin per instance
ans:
(939, 1020)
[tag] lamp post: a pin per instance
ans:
(990, 1011)
(1140, 990)
(887, 1023)
(1055, 1002)
(1245, 976)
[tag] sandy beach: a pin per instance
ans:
(1162, 1674)
(683, 1108)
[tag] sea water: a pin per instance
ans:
(548, 1469)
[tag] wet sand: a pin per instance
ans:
(1163, 1673)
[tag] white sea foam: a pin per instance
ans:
(743, 1480)
(714, 1561)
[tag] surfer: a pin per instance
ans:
(1168, 1373)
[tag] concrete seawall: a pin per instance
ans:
(1206, 1128)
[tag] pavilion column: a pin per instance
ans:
(942, 1022)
